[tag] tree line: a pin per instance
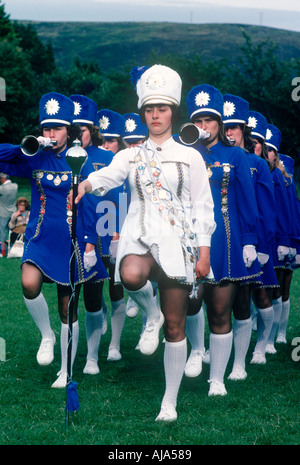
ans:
(29, 70)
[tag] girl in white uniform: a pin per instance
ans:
(167, 233)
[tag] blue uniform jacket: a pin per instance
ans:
(48, 233)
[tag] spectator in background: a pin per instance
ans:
(8, 196)
(19, 219)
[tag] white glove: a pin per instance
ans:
(45, 141)
(249, 255)
(262, 258)
(292, 253)
(282, 251)
(203, 134)
(297, 259)
(89, 260)
(113, 251)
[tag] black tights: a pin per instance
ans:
(219, 300)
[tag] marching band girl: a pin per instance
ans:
(167, 232)
(48, 234)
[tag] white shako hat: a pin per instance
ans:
(159, 85)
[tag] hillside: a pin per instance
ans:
(114, 45)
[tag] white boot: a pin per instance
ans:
(117, 323)
(61, 381)
(220, 349)
(144, 298)
(93, 330)
(242, 330)
(132, 309)
(174, 363)
(281, 335)
(264, 324)
(277, 306)
(38, 309)
(194, 329)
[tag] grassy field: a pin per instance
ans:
(119, 406)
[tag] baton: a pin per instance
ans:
(76, 156)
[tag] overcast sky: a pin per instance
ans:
(283, 14)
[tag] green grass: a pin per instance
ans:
(119, 406)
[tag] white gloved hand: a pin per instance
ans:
(249, 255)
(297, 259)
(45, 141)
(262, 258)
(282, 251)
(113, 251)
(292, 253)
(89, 260)
(203, 134)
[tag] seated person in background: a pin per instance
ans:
(19, 219)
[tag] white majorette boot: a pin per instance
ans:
(144, 298)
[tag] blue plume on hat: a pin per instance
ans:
(85, 109)
(136, 73)
(111, 123)
(258, 124)
(204, 99)
(235, 110)
(134, 128)
(273, 137)
(55, 110)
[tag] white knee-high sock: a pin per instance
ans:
(242, 330)
(220, 349)
(277, 306)
(194, 329)
(64, 336)
(174, 363)
(105, 314)
(265, 319)
(284, 317)
(145, 299)
(156, 292)
(38, 309)
(93, 330)
(117, 322)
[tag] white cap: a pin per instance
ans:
(159, 85)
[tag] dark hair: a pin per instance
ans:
(264, 151)
(222, 130)
(74, 132)
(23, 199)
(277, 164)
(121, 143)
(249, 143)
(96, 137)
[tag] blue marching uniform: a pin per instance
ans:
(107, 218)
(236, 214)
(265, 199)
(293, 225)
(294, 222)
(283, 215)
(48, 233)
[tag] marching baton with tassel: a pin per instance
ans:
(76, 156)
